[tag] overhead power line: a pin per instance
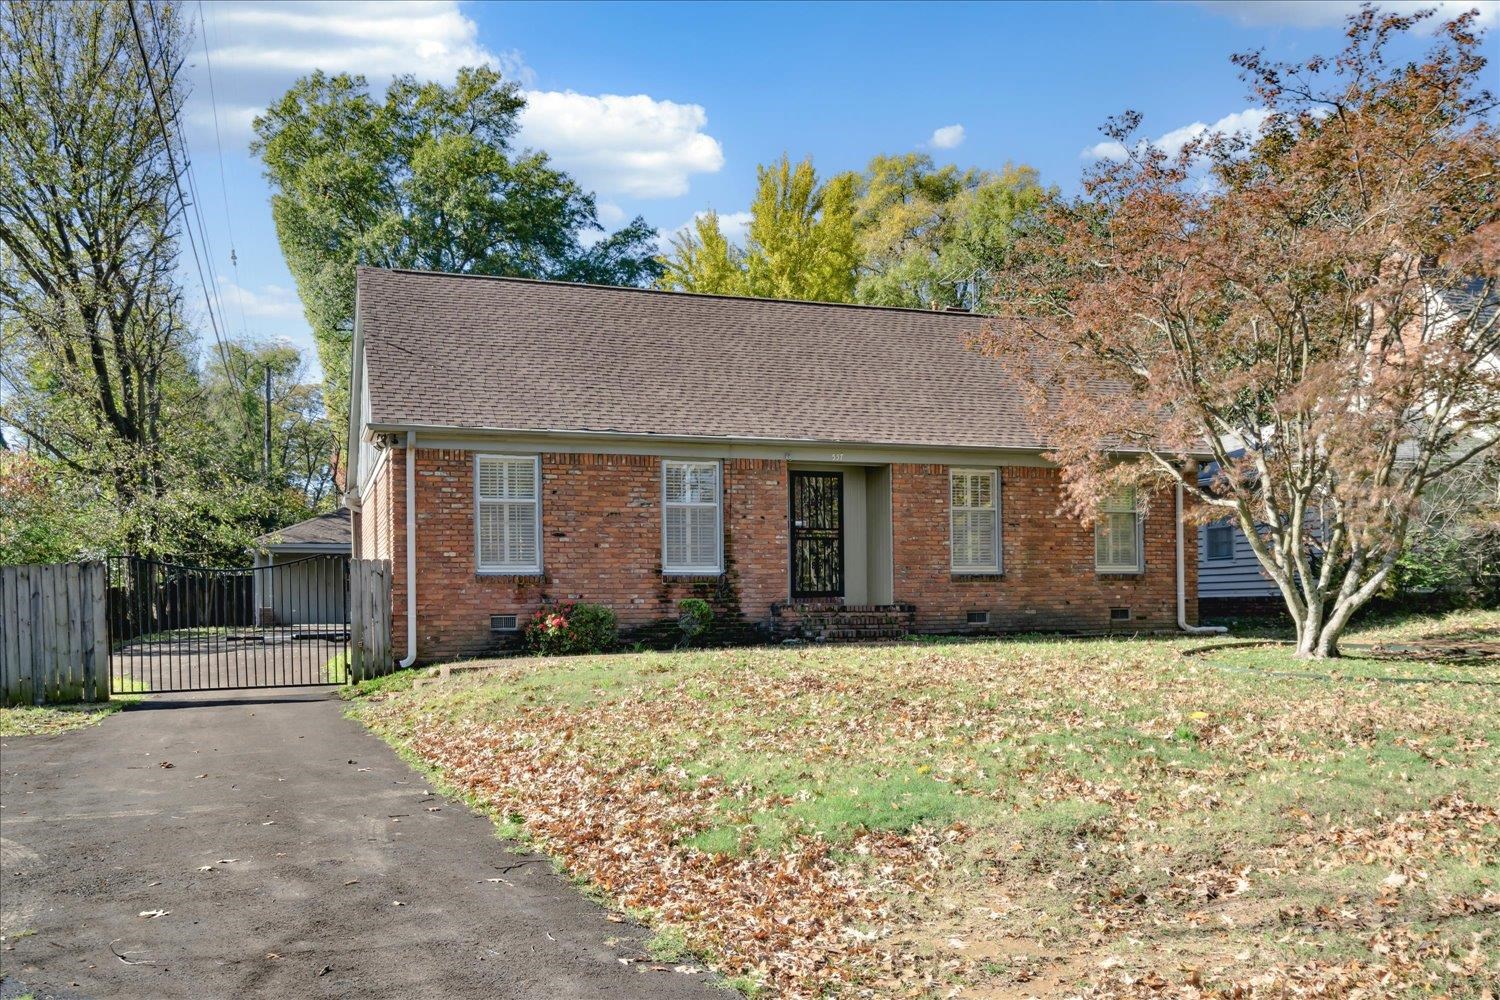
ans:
(213, 101)
(166, 134)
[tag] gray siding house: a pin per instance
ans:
(1230, 580)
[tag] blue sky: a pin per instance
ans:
(665, 109)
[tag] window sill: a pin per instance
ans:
(1119, 572)
(976, 574)
(693, 574)
(518, 574)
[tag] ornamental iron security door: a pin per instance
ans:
(817, 534)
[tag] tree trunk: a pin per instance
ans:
(1318, 636)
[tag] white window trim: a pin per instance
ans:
(1208, 548)
(509, 569)
(718, 568)
(1139, 566)
(995, 483)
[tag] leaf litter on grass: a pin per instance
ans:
(1101, 819)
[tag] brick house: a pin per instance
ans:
(807, 468)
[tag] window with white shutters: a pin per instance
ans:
(974, 530)
(1117, 535)
(692, 518)
(506, 514)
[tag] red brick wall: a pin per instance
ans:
(1049, 579)
(601, 542)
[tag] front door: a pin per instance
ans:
(817, 534)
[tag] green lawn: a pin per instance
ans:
(1007, 817)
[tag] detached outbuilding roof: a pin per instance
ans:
(322, 531)
(509, 354)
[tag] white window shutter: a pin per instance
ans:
(507, 513)
(675, 537)
(491, 535)
(974, 519)
(703, 540)
(491, 478)
(1117, 535)
(692, 517)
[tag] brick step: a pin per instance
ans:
(856, 635)
(827, 622)
(856, 620)
(825, 608)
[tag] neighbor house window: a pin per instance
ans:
(974, 526)
(692, 519)
(1219, 541)
(1117, 535)
(506, 514)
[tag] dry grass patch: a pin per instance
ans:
(999, 818)
(48, 720)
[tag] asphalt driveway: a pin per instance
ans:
(291, 854)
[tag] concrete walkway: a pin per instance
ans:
(294, 855)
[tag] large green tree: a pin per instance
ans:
(94, 350)
(801, 241)
(933, 236)
(124, 438)
(904, 233)
(427, 177)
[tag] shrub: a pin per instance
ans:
(695, 618)
(570, 628)
(592, 629)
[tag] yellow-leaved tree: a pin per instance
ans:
(801, 242)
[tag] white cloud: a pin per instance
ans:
(635, 146)
(1108, 150)
(610, 214)
(256, 49)
(1327, 13)
(431, 37)
(734, 225)
(274, 302)
(947, 137)
(1250, 121)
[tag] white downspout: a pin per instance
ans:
(411, 552)
(1182, 621)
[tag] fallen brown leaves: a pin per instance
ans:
(1081, 819)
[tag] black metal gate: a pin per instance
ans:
(179, 627)
(817, 534)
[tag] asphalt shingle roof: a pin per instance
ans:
(513, 354)
(324, 529)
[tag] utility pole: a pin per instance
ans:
(268, 424)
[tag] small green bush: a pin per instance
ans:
(567, 628)
(695, 618)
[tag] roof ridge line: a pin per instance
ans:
(548, 282)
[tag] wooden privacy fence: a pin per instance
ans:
(54, 643)
(369, 618)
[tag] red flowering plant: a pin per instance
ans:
(564, 628)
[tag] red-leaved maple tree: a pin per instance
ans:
(1312, 306)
